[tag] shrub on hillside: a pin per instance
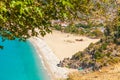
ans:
(58, 27)
(95, 33)
(71, 29)
(78, 56)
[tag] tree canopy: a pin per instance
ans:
(21, 18)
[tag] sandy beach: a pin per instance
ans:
(65, 45)
(49, 59)
(55, 47)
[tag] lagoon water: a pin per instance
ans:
(19, 61)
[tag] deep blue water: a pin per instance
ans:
(19, 61)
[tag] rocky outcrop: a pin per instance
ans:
(94, 57)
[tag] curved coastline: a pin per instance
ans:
(19, 61)
(49, 59)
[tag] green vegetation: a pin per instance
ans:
(71, 29)
(107, 50)
(20, 18)
(95, 33)
(80, 29)
(58, 27)
(78, 56)
(25, 18)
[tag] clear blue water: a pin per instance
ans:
(19, 61)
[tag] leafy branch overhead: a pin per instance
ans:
(21, 18)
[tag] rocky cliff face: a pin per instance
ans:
(94, 57)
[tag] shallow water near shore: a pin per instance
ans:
(19, 61)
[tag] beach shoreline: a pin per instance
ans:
(50, 61)
(44, 63)
(55, 47)
(64, 45)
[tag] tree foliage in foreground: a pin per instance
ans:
(21, 18)
(25, 18)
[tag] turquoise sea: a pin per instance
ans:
(19, 61)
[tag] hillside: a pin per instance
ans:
(107, 73)
(98, 56)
